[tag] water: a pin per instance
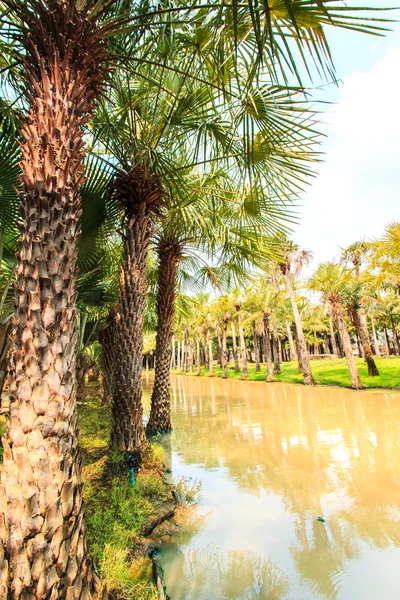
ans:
(271, 459)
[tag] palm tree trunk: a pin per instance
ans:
(42, 546)
(333, 337)
(83, 364)
(360, 348)
(206, 359)
(385, 332)
(210, 352)
(275, 346)
(267, 349)
(243, 354)
(219, 342)
(93, 374)
(235, 350)
(127, 428)
(361, 325)
(190, 356)
(280, 351)
(375, 338)
(183, 352)
(301, 342)
(198, 356)
(292, 349)
(256, 345)
(299, 363)
(169, 255)
(224, 354)
(395, 338)
(338, 313)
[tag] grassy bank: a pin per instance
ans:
(115, 513)
(325, 372)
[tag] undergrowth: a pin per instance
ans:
(115, 513)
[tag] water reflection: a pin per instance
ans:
(272, 458)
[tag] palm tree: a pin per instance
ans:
(61, 48)
(329, 281)
(295, 260)
(356, 254)
(221, 310)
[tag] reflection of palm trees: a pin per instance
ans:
(209, 574)
(320, 554)
(307, 446)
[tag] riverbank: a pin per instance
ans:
(119, 518)
(116, 514)
(325, 372)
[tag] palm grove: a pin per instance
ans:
(141, 146)
(353, 310)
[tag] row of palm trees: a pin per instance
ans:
(125, 125)
(274, 318)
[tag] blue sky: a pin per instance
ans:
(357, 188)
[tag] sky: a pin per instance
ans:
(357, 188)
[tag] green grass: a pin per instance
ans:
(115, 512)
(325, 372)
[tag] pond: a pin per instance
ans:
(270, 460)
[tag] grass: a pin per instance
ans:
(325, 372)
(115, 513)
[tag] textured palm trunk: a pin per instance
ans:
(190, 357)
(387, 344)
(275, 346)
(359, 346)
(256, 345)
(235, 350)
(205, 343)
(395, 338)
(268, 349)
(43, 550)
(301, 342)
(83, 364)
(360, 322)
(292, 349)
(210, 352)
(127, 426)
(243, 353)
(338, 314)
(169, 255)
(224, 352)
(333, 337)
(93, 374)
(375, 338)
(184, 353)
(299, 363)
(219, 342)
(317, 348)
(198, 356)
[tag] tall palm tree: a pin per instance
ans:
(356, 254)
(330, 282)
(62, 51)
(295, 260)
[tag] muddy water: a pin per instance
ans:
(271, 459)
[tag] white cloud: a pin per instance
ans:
(357, 190)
